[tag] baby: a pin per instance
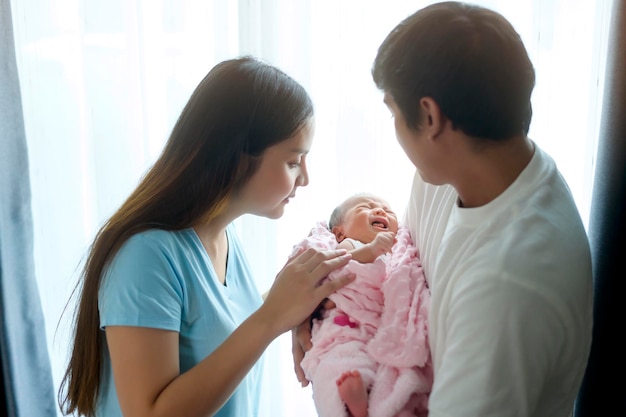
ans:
(373, 345)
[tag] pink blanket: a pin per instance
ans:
(379, 327)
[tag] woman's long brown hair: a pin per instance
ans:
(241, 107)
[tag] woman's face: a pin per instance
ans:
(282, 170)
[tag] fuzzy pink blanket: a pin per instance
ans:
(379, 327)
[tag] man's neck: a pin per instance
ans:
(486, 173)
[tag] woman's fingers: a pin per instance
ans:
(316, 264)
(296, 291)
(322, 263)
(312, 258)
(329, 287)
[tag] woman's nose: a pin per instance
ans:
(303, 178)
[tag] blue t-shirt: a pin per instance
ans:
(165, 280)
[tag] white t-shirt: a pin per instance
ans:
(511, 305)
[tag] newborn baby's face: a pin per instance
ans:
(368, 216)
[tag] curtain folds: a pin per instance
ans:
(26, 375)
(601, 394)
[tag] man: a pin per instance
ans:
(502, 243)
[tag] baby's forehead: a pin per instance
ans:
(366, 199)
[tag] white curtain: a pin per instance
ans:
(103, 83)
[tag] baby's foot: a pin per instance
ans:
(353, 393)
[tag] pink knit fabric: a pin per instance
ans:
(379, 327)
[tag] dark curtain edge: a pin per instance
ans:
(600, 394)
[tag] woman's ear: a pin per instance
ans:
(433, 119)
(338, 232)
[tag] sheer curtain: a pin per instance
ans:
(103, 82)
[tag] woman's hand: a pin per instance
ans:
(297, 290)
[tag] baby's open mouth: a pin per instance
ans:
(380, 224)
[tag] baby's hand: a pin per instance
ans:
(382, 243)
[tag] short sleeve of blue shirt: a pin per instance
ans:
(165, 280)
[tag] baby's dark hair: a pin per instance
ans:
(336, 217)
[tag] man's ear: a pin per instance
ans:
(433, 119)
(338, 232)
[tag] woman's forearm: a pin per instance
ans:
(204, 389)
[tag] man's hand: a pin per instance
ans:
(301, 340)
(300, 343)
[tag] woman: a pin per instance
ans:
(169, 321)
